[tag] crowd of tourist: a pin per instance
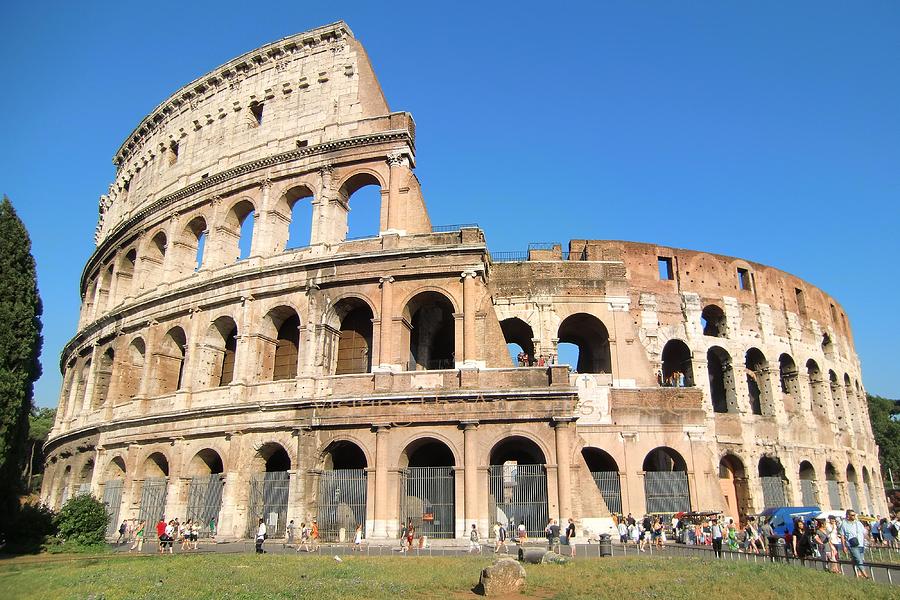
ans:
(673, 379)
(525, 360)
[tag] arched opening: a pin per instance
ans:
(816, 387)
(353, 338)
(205, 490)
(84, 379)
(155, 473)
(605, 473)
(677, 369)
(361, 195)
(519, 485)
(113, 483)
(130, 371)
(837, 401)
(279, 360)
(85, 475)
(103, 378)
(65, 484)
(269, 490)
(773, 480)
(721, 380)
(834, 489)
(432, 337)
(665, 482)
(827, 345)
(152, 261)
(342, 492)
(853, 416)
(867, 486)
(787, 376)
(219, 353)
(104, 293)
(713, 321)
(125, 274)
(592, 338)
(808, 492)
(192, 245)
(87, 302)
(757, 370)
(733, 483)
(853, 488)
(429, 498)
(170, 361)
(237, 232)
(298, 204)
(519, 341)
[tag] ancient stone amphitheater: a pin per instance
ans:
(224, 371)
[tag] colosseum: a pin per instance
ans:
(224, 371)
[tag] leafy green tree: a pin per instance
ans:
(887, 435)
(40, 422)
(20, 348)
(83, 520)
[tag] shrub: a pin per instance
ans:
(29, 528)
(83, 521)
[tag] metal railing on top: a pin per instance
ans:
(455, 227)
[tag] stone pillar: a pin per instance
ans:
(393, 218)
(262, 231)
(385, 339)
(89, 382)
(469, 345)
(563, 466)
(150, 340)
(246, 359)
(470, 472)
(379, 526)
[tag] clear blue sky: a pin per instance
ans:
(765, 130)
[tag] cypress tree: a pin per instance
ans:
(20, 348)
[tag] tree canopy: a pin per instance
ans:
(20, 347)
(887, 435)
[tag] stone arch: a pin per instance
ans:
(427, 451)
(155, 464)
(115, 468)
(348, 343)
(816, 385)
(519, 483)
(84, 379)
(205, 462)
(152, 260)
(105, 299)
(190, 246)
(64, 486)
(269, 488)
(430, 332)
(773, 479)
(130, 369)
(205, 487)
(676, 358)
(428, 486)
(666, 488)
(517, 332)
(342, 493)
(344, 452)
(713, 321)
(721, 380)
(833, 486)
(591, 336)
(84, 477)
(867, 488)
(238, 231)
(218, 355)
(103, 378)
(808, 487)
(605, 472)
(827, 345)
(352, 184)
(169, 361)
(853, 488)
(280, 344)
(271, 457)
(125, 270)
(836, 400)
(733, 483)
(788, 379)
(757, 372)
(295, 209)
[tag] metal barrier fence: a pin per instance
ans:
(519, 494)
(455, 227)
(205, 501)
(428, 498)
(112, 497)
(610, 488)
(153, 499)
(834, 494)
(808, 492)
(499, 257)
(269, 501)
(773, 492)
(342, 503)
(853, 491)
(667, 492)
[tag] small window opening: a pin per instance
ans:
(302, 143)
(257, 111)
(127, 185)
(665, 268)
(204, 176)
(834, 317)
(173, 153)
(801, 301)
(744, 279)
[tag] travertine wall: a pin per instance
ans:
(190, 360)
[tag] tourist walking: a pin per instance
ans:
(824, 547)
(357, 539)
(800, 542)
(521, 533)
(716, 533)
(138, 543)
(161, 534)
(314, 535)
(261, 535)
(501, 539)
(290, 533)
(474, 545)
(122, 529)
(853, 536)
(570, 536)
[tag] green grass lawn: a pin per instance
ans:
(218, 576)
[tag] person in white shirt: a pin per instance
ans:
(261, 535)
(853, 536)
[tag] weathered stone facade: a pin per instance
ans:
(369, 380)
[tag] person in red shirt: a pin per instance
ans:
(161, 533)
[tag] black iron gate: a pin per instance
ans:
(205, 501)
(519, 494)
(153, 500)
(341, 503)
(667, 492)
(112, 498)
(269, 501)
(610, 488)
(773, 492)
(428, 498)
